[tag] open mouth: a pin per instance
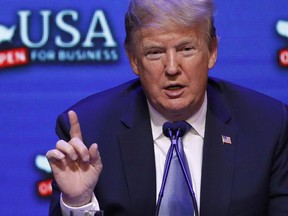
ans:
(174, 87)
(174, 91)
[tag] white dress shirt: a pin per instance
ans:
(193, 142)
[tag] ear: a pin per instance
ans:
(213, 50)
(133, 61)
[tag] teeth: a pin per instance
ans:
(174, 87)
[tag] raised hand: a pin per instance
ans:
(76, 168)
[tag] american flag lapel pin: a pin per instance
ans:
(226, 140)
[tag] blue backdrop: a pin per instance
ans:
(54, 53)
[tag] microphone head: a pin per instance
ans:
(167, 127)
(181, 126)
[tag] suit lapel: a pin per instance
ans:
(218, 157)
(136, 144)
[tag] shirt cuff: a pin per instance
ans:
(81, 210)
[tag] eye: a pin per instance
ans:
(188, 50)
(153, 54)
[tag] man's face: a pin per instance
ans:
(173, 68)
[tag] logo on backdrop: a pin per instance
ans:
(282, 29)
(49, 37)
(44, 186)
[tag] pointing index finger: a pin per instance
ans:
(75, 130)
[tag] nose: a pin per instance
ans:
(171, 63)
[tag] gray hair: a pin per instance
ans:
(159, 13)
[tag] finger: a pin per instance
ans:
(57, 161)
(67, 149)
(54, 155)
(75, 130)
(80, 148)
(95, 158)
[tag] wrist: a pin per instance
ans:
(77, 201)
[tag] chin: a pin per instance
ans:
(176, 106)
(175, 113)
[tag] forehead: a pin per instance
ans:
(171, 35)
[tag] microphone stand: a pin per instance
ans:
(174, 145)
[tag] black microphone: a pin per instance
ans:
(176, 129)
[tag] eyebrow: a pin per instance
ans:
(156, 45)
(153, 46)
(187, 42)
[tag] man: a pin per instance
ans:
(237, 149)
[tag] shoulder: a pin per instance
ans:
(112, 96)
(245, 104)
(101, 107)
(239, 94)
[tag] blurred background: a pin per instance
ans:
(54, 53)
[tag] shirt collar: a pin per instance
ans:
(197, 121)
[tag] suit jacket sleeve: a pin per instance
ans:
(278, 205)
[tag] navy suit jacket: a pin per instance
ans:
(246, 178)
